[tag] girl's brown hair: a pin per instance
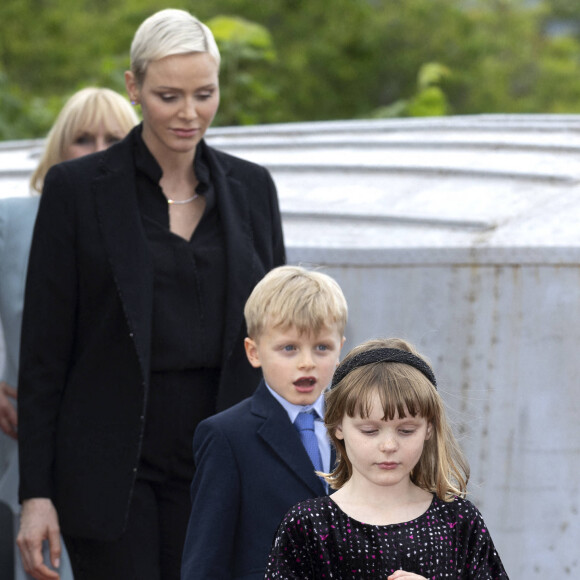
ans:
(442, 468)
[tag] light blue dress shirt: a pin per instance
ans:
(319, 428)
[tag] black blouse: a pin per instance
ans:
(190, 276)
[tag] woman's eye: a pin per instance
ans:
(166, 98)
(204, 96)
(84, 140)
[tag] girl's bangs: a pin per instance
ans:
(402, 390)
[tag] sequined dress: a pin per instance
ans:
(317, 540)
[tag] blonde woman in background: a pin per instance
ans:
(90, 121)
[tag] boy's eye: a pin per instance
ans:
(289, 348)
(322, 347)
(112, 139)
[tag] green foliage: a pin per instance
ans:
(248, 55)
(429, 101)
(11, 109)
(294, 60)
(565, 9)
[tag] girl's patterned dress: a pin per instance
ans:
(317, 540)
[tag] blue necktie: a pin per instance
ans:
(304, 422)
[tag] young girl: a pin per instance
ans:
(399, 512)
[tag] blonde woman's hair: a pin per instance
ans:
(294, 296)
(87, 108)
(166, 33)
(402, 389)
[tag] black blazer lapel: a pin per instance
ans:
(119, 219)
(233, 203)
(279, 434)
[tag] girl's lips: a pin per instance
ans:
(388, 465)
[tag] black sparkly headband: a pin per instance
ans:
(382, 355)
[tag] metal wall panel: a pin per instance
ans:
(460, 234)
(503, 341)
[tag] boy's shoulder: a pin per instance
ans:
(246, 414)
(227, 416)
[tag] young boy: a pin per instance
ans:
(252, 462)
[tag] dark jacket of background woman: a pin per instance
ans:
(87, 324)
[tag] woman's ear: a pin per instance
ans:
(131, 86)
(338, 432)
(252, 352)
(429, 431)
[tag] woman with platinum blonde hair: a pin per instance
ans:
(91, 120)
(142, 259)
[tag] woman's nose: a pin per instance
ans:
(101, 143)
(189, 110)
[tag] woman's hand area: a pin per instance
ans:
(39, 522)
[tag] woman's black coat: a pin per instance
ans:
(84, 367)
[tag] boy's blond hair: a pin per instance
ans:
(294, 296)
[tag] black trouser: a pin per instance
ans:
(6, 540)
(152, 544)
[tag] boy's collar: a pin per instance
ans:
(293, 410)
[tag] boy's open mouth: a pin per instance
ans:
(305, 382)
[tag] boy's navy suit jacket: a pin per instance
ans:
(251, 467)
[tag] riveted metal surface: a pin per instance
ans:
(460, 234)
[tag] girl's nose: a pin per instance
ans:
(388, 443)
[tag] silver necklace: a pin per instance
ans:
(181, 201)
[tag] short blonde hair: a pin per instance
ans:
(166, 33)
(442, 468)
(87, 108)
(294, 296)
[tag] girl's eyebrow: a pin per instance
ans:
(409, 419)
